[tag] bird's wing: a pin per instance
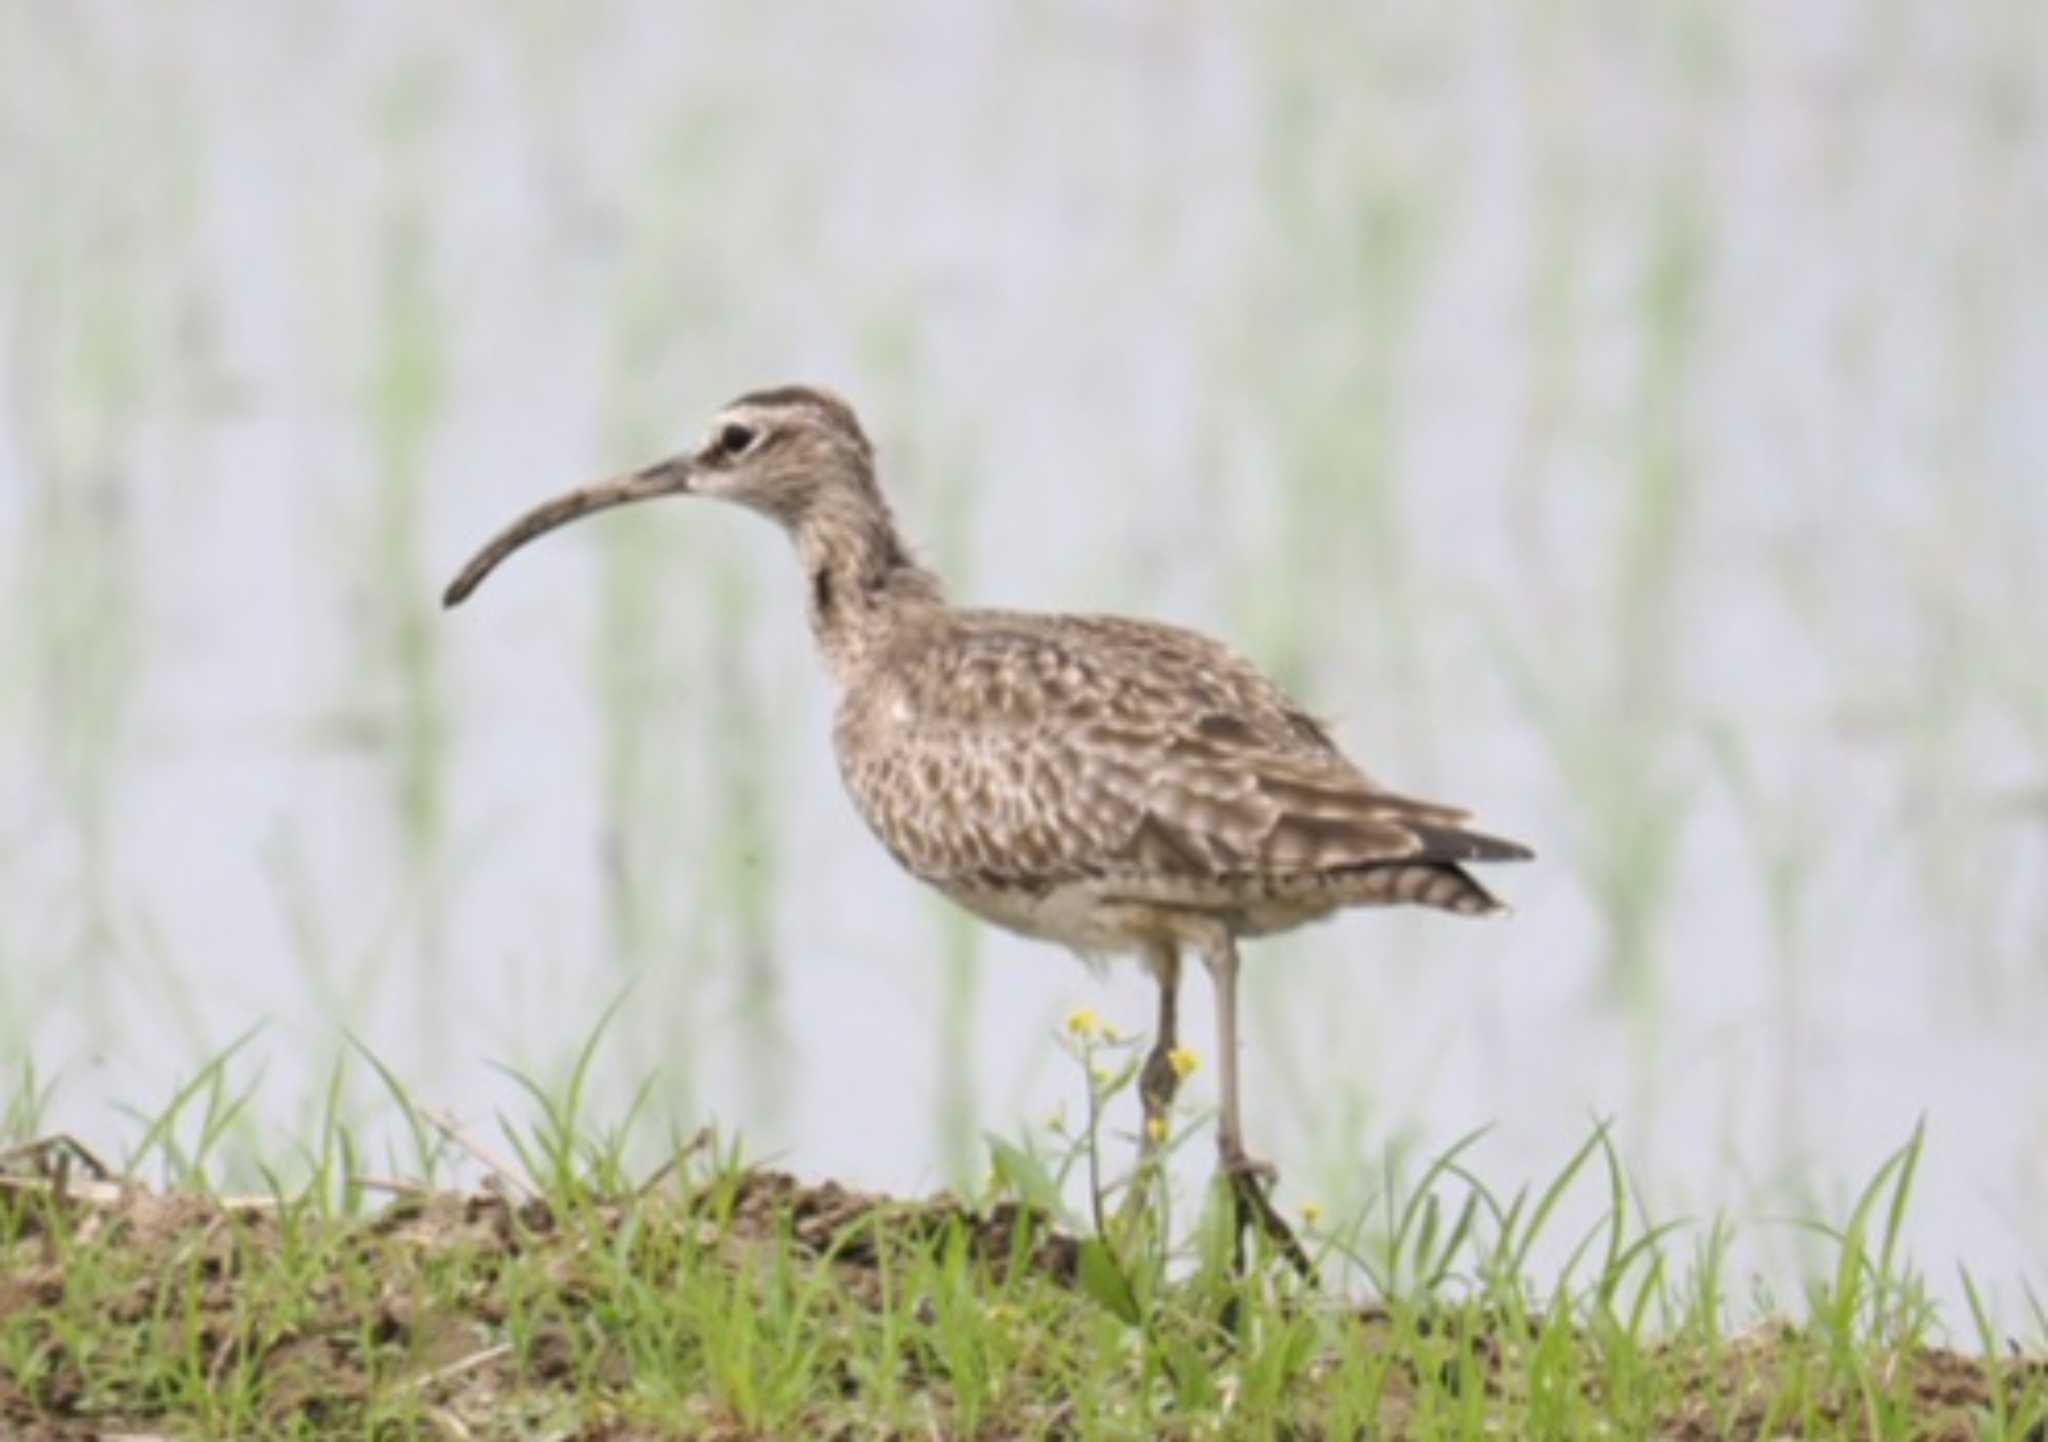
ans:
(1044, 752)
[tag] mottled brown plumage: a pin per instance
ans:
(1089, 779)
(1113, 785)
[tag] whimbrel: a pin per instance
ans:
(1114, 785)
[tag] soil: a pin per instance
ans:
(192, 1253)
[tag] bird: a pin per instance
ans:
(1113, 785)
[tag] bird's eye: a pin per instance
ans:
(735, 440)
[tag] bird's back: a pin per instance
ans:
(1054, 771)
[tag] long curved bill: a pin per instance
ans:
(660, 479)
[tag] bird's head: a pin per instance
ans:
(788, 453)
(780, 451)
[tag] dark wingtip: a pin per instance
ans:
(1455, 843)
(455, 594)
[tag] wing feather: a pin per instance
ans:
(1035, 751)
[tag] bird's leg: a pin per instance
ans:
(1250, 1179)
(1159, 1079)
(1221, 959)
(1157, 1083)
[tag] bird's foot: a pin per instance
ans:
(1241, 1166)
(1251, 1189)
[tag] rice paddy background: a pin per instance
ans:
(1624, 419)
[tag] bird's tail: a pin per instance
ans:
(1419, 883)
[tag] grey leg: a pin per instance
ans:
(1220, 956)
(1250, 1179)
(1158, 1081)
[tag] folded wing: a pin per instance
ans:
(1107, 748)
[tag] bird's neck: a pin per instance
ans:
(861, 582)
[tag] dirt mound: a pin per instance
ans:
(751, 1304)
(365, 1291)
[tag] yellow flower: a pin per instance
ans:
(1084, 1024)
(1312, 1215)
(1155, 1128)
(1185, 1061)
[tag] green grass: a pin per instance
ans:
(572, 1294)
